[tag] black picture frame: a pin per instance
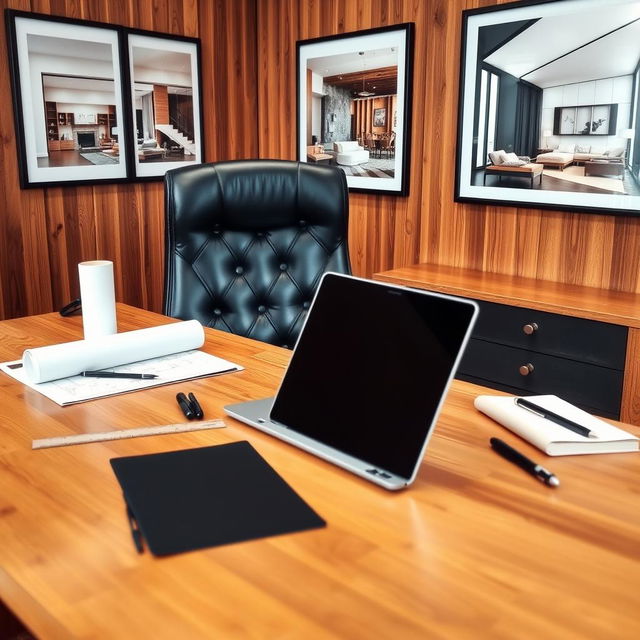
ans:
(174, 63)
(520, 67)
(54, 62)
(73, 100)
(375, 159)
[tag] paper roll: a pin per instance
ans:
(71, 358)
(98, 297)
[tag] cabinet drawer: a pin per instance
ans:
(586, 385)
(576, 338)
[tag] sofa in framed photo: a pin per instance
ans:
(531, 86)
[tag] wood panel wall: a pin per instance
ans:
(44, 233)
(248, 70)
(387, 231)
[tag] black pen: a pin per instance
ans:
(185, 405)
(195, 405)
(554, 417)
(509, 453)
(136, 534)
(113, 374)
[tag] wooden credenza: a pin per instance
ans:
(538, 337)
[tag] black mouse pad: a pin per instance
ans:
(209, 496)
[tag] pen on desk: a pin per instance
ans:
(185, 405)
(509, 453)
(555, 418)
(136, 534)
(195, 405)
(113, 374)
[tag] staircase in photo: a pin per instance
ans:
(173, 134)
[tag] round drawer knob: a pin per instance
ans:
(526, 369)
(530, 328)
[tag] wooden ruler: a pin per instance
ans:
(119, 434)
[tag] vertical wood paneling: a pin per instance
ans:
(44, 233)
(428, 226)
(161, 104)
(248, 92)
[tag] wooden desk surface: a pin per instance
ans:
(475, 548)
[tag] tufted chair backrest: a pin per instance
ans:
(248, 240)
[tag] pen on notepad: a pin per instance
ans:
(113, 374)
(555, 418)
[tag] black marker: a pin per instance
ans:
(195, 405)
(509, 453)
(185, 405)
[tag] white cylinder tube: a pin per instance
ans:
(98, 296)
(72, 358)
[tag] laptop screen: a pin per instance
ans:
(371, 367)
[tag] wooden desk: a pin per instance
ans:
(476, 548)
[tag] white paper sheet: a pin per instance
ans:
(170, 368)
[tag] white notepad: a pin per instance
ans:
(550, 437)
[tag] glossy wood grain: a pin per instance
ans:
(475, 548)
(388, 232)
(45, 232)
(603, 305)
(248, 89)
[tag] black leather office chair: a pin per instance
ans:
(248, 240)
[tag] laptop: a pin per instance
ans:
(367, 377)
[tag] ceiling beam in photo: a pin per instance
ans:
(379, 82)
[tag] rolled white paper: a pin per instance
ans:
(71, 358)
(98, 296)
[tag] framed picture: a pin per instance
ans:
(549, 116)
(379, 117)
(346, 86)
(68, 96)
(163, 77)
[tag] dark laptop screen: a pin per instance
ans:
(370, 368)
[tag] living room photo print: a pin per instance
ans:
(348, 85)
(68, 100)
(549, 106)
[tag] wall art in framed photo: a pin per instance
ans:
(68, 98)
(549, 110)
(166, 112)
(379, 117)
(347, 87)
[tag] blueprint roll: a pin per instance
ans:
(98, 297)
(72, 358)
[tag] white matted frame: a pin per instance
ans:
(395, 44)
(162, 68)
(81, 62)
(602, 31)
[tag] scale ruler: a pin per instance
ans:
(119, 434)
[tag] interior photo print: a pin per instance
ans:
(351, 106)
(71, 101)
(353, 94)
(164, 91)
(550, 114)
